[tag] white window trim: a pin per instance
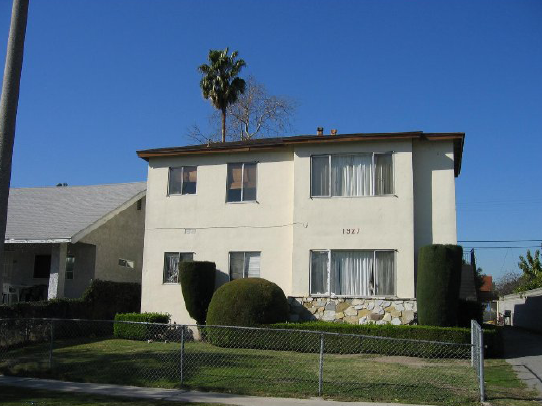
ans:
(164, 266)
(182, 181)
(242, 182)
(328, 293)
(373, 191)
(244, 260)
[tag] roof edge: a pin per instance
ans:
(43, 241)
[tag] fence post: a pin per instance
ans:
(182, 354)
(51, 344)
(481, 366)
(321, 367)
(472, 343)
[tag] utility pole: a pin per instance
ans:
(8, 111)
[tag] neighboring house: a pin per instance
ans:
(522, 309)
(60, 238)
(336, 221)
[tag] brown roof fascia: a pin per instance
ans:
(277, 143)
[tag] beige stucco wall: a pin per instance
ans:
(297, 223)
(119, 237)
(207, 212)
(434, 191)
(384, 222)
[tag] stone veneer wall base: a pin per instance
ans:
(353, 311)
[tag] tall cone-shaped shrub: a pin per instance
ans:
(439, 278)
(198, 285)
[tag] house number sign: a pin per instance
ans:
(350, 230)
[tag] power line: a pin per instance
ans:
(491, 248)
(499, 241)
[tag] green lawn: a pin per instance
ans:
(15, 396)
(247, 371)
(504, 388)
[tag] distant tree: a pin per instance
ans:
(256, 113)
(508, 283)
(221, 83)
(531, 265)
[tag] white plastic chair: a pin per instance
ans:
(9, 292)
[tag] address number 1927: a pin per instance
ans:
(350, 230)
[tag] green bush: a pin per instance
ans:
(248, 302)
(132, 331)
(101, 301)
(439, 279)
(198, 285)
(356, 339)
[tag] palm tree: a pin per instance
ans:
(220, 82)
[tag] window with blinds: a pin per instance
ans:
(244, 265)
(241, 183)
(182, 180)
(171, 265)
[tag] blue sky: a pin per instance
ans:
(104, 78)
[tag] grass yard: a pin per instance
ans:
(16, 396)
(504, 388)
(247, 371)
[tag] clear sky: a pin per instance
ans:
(104, 78)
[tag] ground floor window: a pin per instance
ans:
(244, 265)
(70, 265)
(171, 265)
(352, 273)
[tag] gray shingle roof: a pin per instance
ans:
(47, 213)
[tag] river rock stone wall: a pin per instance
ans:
(353, 311)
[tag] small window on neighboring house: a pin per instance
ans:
(171, 265)
(139, 204)
(70, 264)
(182, 181)
(241, 183)
(42, 266)
(244, 265)
(126, 263)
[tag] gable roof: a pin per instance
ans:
(67, 213)
(284, 142)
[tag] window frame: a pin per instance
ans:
(73, 269)
(329, 253)
(164, 266)
(182, 180)
(373, 164)
(244, 260)
(255, 163)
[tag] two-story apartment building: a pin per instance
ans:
(336, 221)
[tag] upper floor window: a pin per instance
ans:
(244, 265)
(171, 265)
(241, 183)
(351, 175)
(182, 180)
(352, 273)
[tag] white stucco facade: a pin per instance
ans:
(285, 223)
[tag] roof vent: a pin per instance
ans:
(320, 131)
(334, 131)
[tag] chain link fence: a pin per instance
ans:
(242, 360)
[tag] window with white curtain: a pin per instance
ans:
(244, 265)
(171, 265)
(352, 273)
(352, 175)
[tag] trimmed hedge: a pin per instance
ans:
(438, 282)
(310, 342)
(198, 285)
(139, 331)
(248, 302)
(101, 301)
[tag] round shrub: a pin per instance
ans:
(439, 279)
(247, 302)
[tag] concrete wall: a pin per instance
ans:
(286, 223)
(526, 308)
(120, 237)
